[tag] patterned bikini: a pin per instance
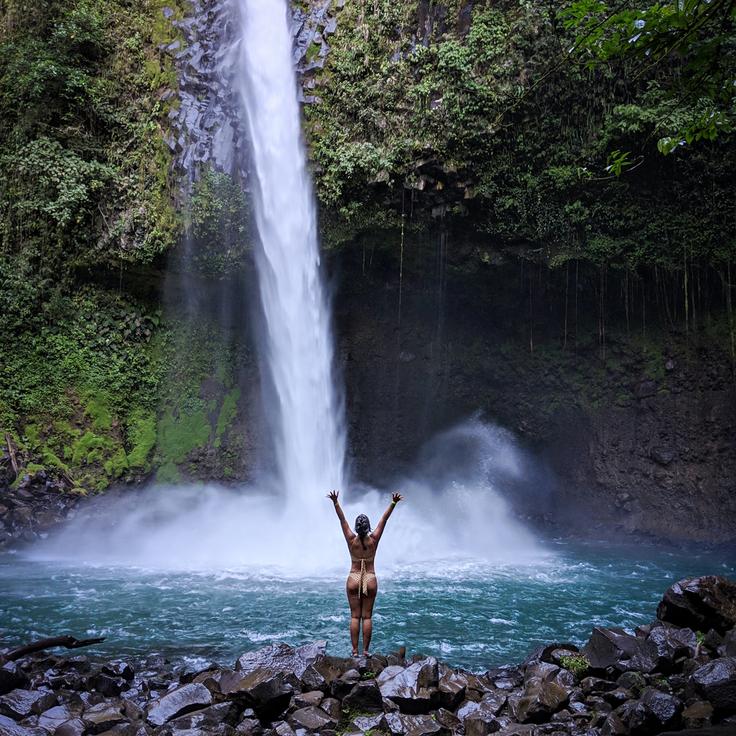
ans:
(362, 577)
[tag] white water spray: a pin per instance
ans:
(307, 416)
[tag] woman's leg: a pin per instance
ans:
(352, 588)
(367, 613)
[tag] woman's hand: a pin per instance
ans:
(332, 495)
(396, 497)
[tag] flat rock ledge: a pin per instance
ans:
(675, 675)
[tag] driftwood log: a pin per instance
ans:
(69, 642)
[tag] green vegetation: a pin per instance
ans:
(577, 664)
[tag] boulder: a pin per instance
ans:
(178, 702)
(413, 688)
(266, 691)
(12, 677)
(282, 658)
(206, 718)
(345, 683)
(654, 712)
(451, 689)
(669, 643)
(102, 717)
(52, 718)
(716, 682)
(332, 707)
(697, 714)
(73, 727)
(120, 668)
(20, 704)
(313, 697)
(108, 685)
(376, 722)
(481, 722)
(538, 702)
(311, 718)
(700, 603)
(413, 725)
(620, 650)
(364, 697)
(8, 727)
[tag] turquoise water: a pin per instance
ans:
(469, 614)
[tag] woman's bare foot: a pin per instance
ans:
(365, 654)
(355, 652)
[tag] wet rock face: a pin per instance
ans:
(182, 700)
(702, 604)
(207, 127)
(35, 506)
(658, 680)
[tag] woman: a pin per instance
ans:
(362, 584)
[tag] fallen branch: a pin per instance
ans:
(69, 642)
(11, 452)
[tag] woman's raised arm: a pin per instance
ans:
(378, 531)
(346, 530)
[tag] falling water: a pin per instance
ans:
(307, 414)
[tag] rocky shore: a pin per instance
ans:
(675, 675)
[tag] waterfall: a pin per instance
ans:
(305, 410)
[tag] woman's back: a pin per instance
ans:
(364, 549)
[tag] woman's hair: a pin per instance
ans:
(362, 527)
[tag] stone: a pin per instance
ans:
(120, 668)
(345, 683)
(654, 712)
(364, 697)
(480, 722)
(282, 658)
(20, 704)
(412, 688)
(670, 643)
(102, 717)
(178, 702)
(451, 690)
(312, 718)
(313, 697)
(332, 707)
(8, 727)
(448, 719)
(376, 722)
(52, 718)
(700, 603)
(620, 650)
(697, 714)
(107, 685)
(413, 725)
(539, 701)
(716, 682)
(12, 677)
(73, 727)
(266, 691)
(206, 718)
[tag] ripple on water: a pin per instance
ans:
(475, 616)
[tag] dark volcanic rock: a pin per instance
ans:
(282, 658)
(52, 718)
(654, 712)
(669, 643)
(268, 692)
(9, 727)
(716, 682)
(12, 677)
(616, 648)
(414, 725)
(23, 703)
(413, 688)
(178, 702)
(701, 603)
(365, 696)
(311, 718)
(103, 716)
